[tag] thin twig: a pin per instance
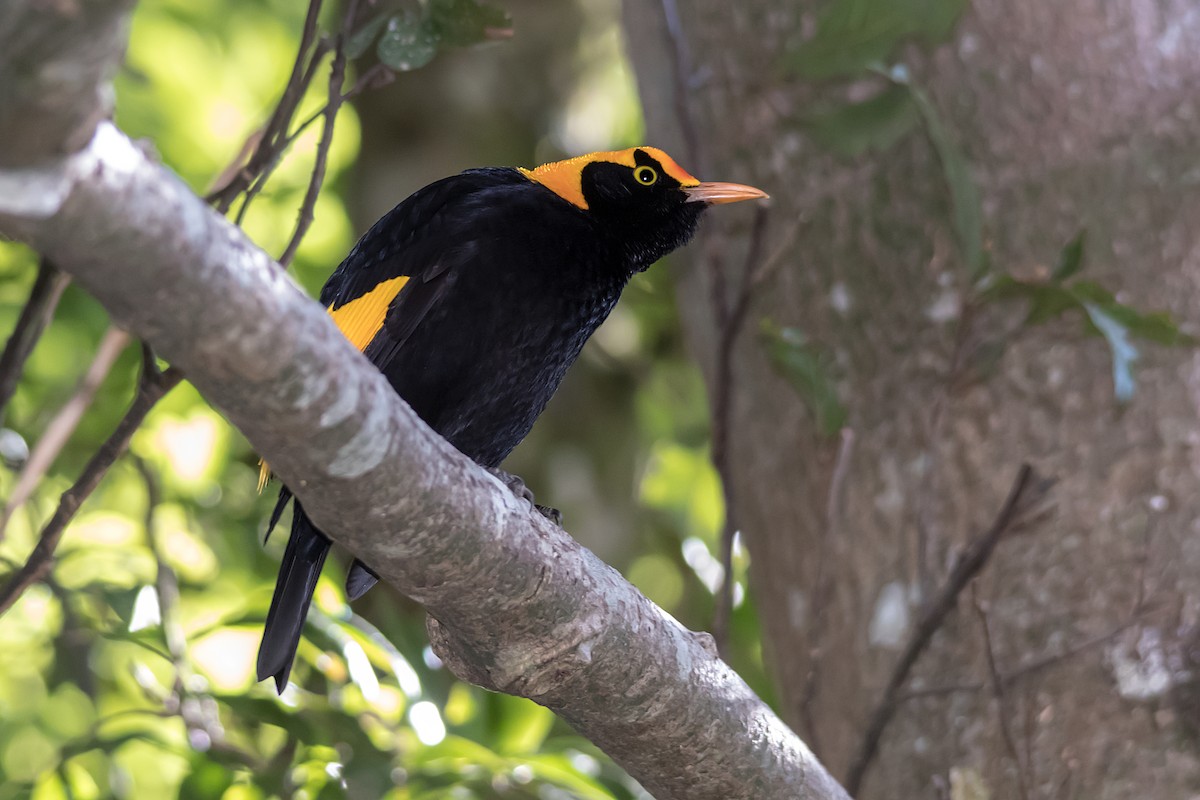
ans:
(35, 316)
(730, 320)
(151, 387)
(267, 139)
(1024, 670)
(337, 76)
(377, 76)
(1026, 493)
(59, 431)
(824, 586)
(997, 684)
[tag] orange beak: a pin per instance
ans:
(717, 193)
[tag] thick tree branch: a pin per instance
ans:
(520, 606)
(53, 92)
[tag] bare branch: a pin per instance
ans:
(59, 431)
(266, 140)
(35, 316)
(152, 386)
(1026, 493)
(337, 75)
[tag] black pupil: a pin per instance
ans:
(645, 176)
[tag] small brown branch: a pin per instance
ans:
(998, 692)
(375, 77)
(337, 76)
(730, 320)
(1026, 494)
(35, 316)
(59, 431)
(152, 386)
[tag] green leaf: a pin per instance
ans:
(206, 781)
(964, 195)
(854, 34)
(522, 725)
(1048, 301)
(872, 125)
(804, 367)
(360, 41)
(1116, 322)
(1123, 351)
(464, 22)
(1070, 260)
(408, 42)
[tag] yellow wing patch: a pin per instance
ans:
(361, 318)
(565, 178)
(359, 321)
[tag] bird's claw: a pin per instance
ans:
(518, 488)
(552, 514)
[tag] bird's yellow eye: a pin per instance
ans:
(646, 176)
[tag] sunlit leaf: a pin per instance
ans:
(522, 726)
(206, 781)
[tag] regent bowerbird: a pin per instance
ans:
(473, 297)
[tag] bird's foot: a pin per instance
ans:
(552, 514)
(518, 487)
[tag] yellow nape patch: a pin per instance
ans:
(565, 178)
(264, 474)
(361, 318)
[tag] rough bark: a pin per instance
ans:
(519, 606)
(1073, 115)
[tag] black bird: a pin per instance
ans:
(473, 297)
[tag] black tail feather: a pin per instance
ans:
(285, 494)
(359, 580)
(298, 573)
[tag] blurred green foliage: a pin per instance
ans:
(99, 698)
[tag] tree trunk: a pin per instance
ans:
(1071, 115)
